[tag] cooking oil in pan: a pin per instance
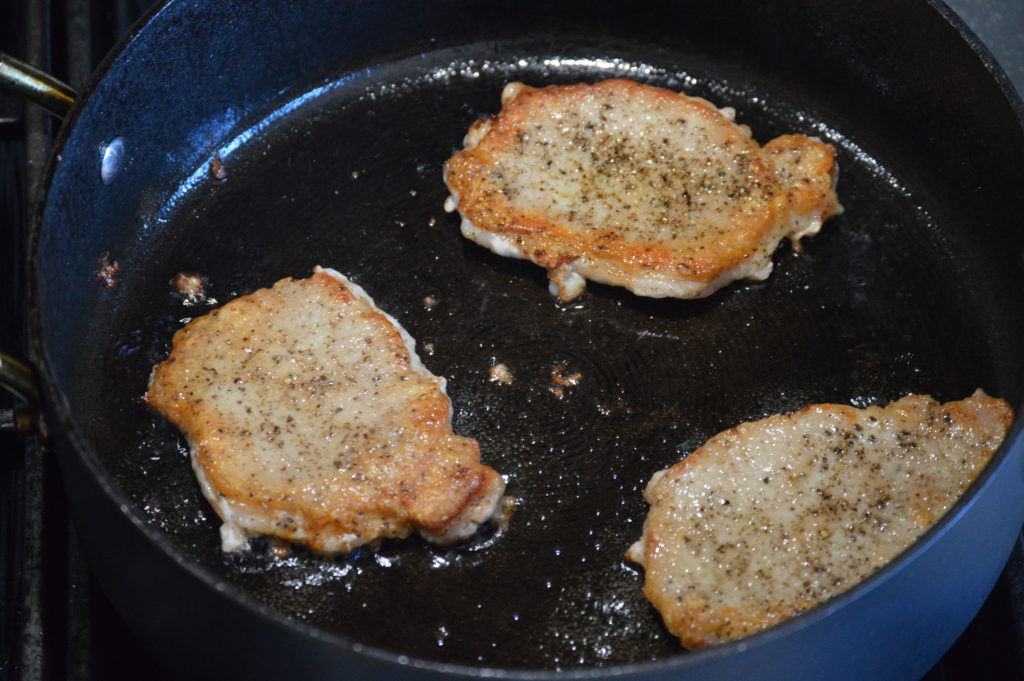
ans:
(640, 382)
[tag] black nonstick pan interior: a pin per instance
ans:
(886, 301)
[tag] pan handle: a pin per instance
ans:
(20, 379)
(37, 86)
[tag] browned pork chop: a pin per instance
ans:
(635, 186)
(311, 418)
(770, 518)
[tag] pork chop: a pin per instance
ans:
(635, 186)
(770, 518)
(310, 417)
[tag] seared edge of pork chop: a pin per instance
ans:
(498, 181)
(441, 490)
(772, 517)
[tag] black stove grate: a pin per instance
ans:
(55, 622)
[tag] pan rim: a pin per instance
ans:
(55, 398)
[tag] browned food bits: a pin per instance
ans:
(108, 271)
(191, 287)
(499, 373)
(217, 170)
(559, 377)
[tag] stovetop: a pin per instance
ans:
(55, 623)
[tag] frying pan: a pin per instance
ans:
(251, 141)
